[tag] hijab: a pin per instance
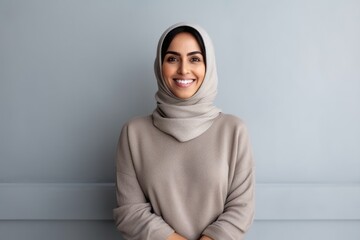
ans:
(186, 119)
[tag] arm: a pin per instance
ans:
(133, 215)
(238, 211)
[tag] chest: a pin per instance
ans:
(163, 165)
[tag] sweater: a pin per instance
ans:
(204, 186)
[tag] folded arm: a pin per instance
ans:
(133, 216)
(238, 213)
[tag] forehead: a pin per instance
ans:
(184, 41)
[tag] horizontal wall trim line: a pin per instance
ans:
(95, 201)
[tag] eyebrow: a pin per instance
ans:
(178, 54)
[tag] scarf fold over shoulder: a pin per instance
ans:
(186, 119)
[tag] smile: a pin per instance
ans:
(184, 82)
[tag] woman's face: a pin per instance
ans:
(183, 68)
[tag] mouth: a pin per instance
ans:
(183, 82)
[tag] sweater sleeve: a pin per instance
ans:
(238, 213)
(133, 216)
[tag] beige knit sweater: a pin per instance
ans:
(202, 186)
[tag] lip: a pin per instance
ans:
(184, 83)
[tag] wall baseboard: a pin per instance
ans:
(95, 201)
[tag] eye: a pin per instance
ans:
(171, 59)
(195, 59)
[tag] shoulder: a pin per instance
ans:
(231, 121)
(236, 134)
(138, 126)
(138, 122)
(231, 126)
(230, 118)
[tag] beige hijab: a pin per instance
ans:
(186, 119)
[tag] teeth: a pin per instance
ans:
(184, 81)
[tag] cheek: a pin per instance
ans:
(201, 73)
(167, 70)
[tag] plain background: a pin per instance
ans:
(72, 73)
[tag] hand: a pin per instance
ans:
(176, 236)
(205, 238)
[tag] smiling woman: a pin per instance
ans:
(186, 171)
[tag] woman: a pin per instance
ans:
(186, 171)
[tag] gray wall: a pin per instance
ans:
(72, 72)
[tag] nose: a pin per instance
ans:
(183, 68)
